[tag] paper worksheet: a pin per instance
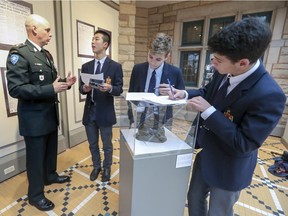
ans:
(85, 77)
(152, 98)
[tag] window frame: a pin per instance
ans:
(185, 29)
(202, 48)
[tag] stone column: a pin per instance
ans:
(126, 39)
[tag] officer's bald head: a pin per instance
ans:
(35, 20)
(38, 29)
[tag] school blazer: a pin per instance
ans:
(105, 111)
(230, 142)
(139, 76)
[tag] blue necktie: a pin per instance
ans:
(97, 71)
(98, 68)
(222, 92)
(151, 89)
(152, 82)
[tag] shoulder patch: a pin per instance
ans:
(14, 58)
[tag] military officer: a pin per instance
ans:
(32, 78)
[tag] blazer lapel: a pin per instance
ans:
(143, 73)
(214, 86)
(165, 74)
(243, 87)
(91, 67)
(106, 65)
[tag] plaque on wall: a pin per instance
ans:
(11, 103)
(13, 16)
(85, 32)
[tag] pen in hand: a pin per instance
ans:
(171, 89)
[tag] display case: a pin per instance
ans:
(156, 154)
(156, 128)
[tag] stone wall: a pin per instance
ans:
(141, 30)
(279, 69)
(126, 39)
(138, 25)
(164, 19)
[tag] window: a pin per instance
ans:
(218, 23)
(265, 15)
(192, 33)
(193, 44)
(190, 67)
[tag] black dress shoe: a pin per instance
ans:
(59, 179)
(106, 174)
(94, 174)
(43, 204)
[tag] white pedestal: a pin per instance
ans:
(154, 177)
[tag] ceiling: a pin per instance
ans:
(151, 3)
(142, 3)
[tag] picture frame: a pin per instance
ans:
(17, 13)
(108, 51)
(85, 32)
(11, 103)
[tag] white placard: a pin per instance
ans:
(184, 160)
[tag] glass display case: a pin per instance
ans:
(158, 127)
(157, 147)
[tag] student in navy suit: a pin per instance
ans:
(232, 128)
(159, 52)
(99, 112)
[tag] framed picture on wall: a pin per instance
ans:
(11, 103)
(81, 96)
(108, 51)
(85, 32)
(14, 23)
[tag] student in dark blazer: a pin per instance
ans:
(158, 53)
(232, 128)
(99, 112)
(32, 78)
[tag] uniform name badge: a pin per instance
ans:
(41, 77)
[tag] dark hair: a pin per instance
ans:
(247, 38)
(106, 36)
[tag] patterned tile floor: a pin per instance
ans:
(267, 195)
